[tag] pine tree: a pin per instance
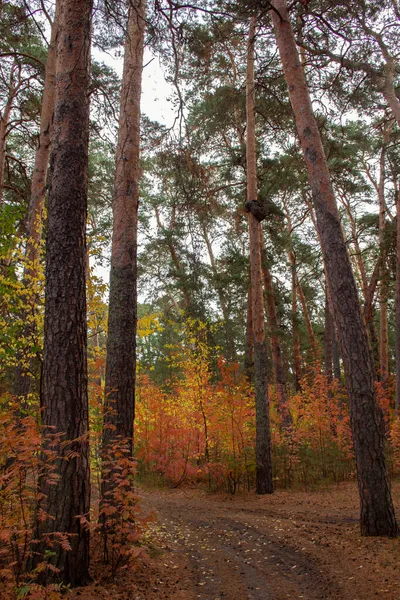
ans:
(377, 512)
(66, 499)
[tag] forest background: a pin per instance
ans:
(195, 420)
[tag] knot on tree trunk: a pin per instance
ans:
(257, 209)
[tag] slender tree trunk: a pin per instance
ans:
(336, 354)
(264, 484)
(39, 176)
(297, 292)
(377, 512)
(389, 90)
(121, 341)
(328, 336)
(369, 311)
(397, 400)
(230, 340)
(277, 355)
(179, 268)
(23, 381)
(65, 397)
(334, 341)
(300, 294)
(4, 122)
(248, 365)
(296, 334)
(370, 292)
(383, 292)
(307, 319)
(357, 249)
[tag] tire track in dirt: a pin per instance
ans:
(231, 558)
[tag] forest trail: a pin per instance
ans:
(289, 545)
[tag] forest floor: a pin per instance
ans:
(288, 545)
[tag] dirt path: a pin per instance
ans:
(290, 545)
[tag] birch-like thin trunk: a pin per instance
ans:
(39, 175)
(4, 122)
(23, 381)
(264, 484)
(121, 340)
(377, 511)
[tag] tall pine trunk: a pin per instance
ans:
(264, 484)
(121, 340)
(377, 512)
(65, 398)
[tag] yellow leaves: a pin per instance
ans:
(148, 325)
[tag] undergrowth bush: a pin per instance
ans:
(24, 459)
(121, 522)
(202, 430)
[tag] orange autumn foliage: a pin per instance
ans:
(200, 428)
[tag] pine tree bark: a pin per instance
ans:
(121, 340)
(65, 398)
(377, 512)
(264, 484)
